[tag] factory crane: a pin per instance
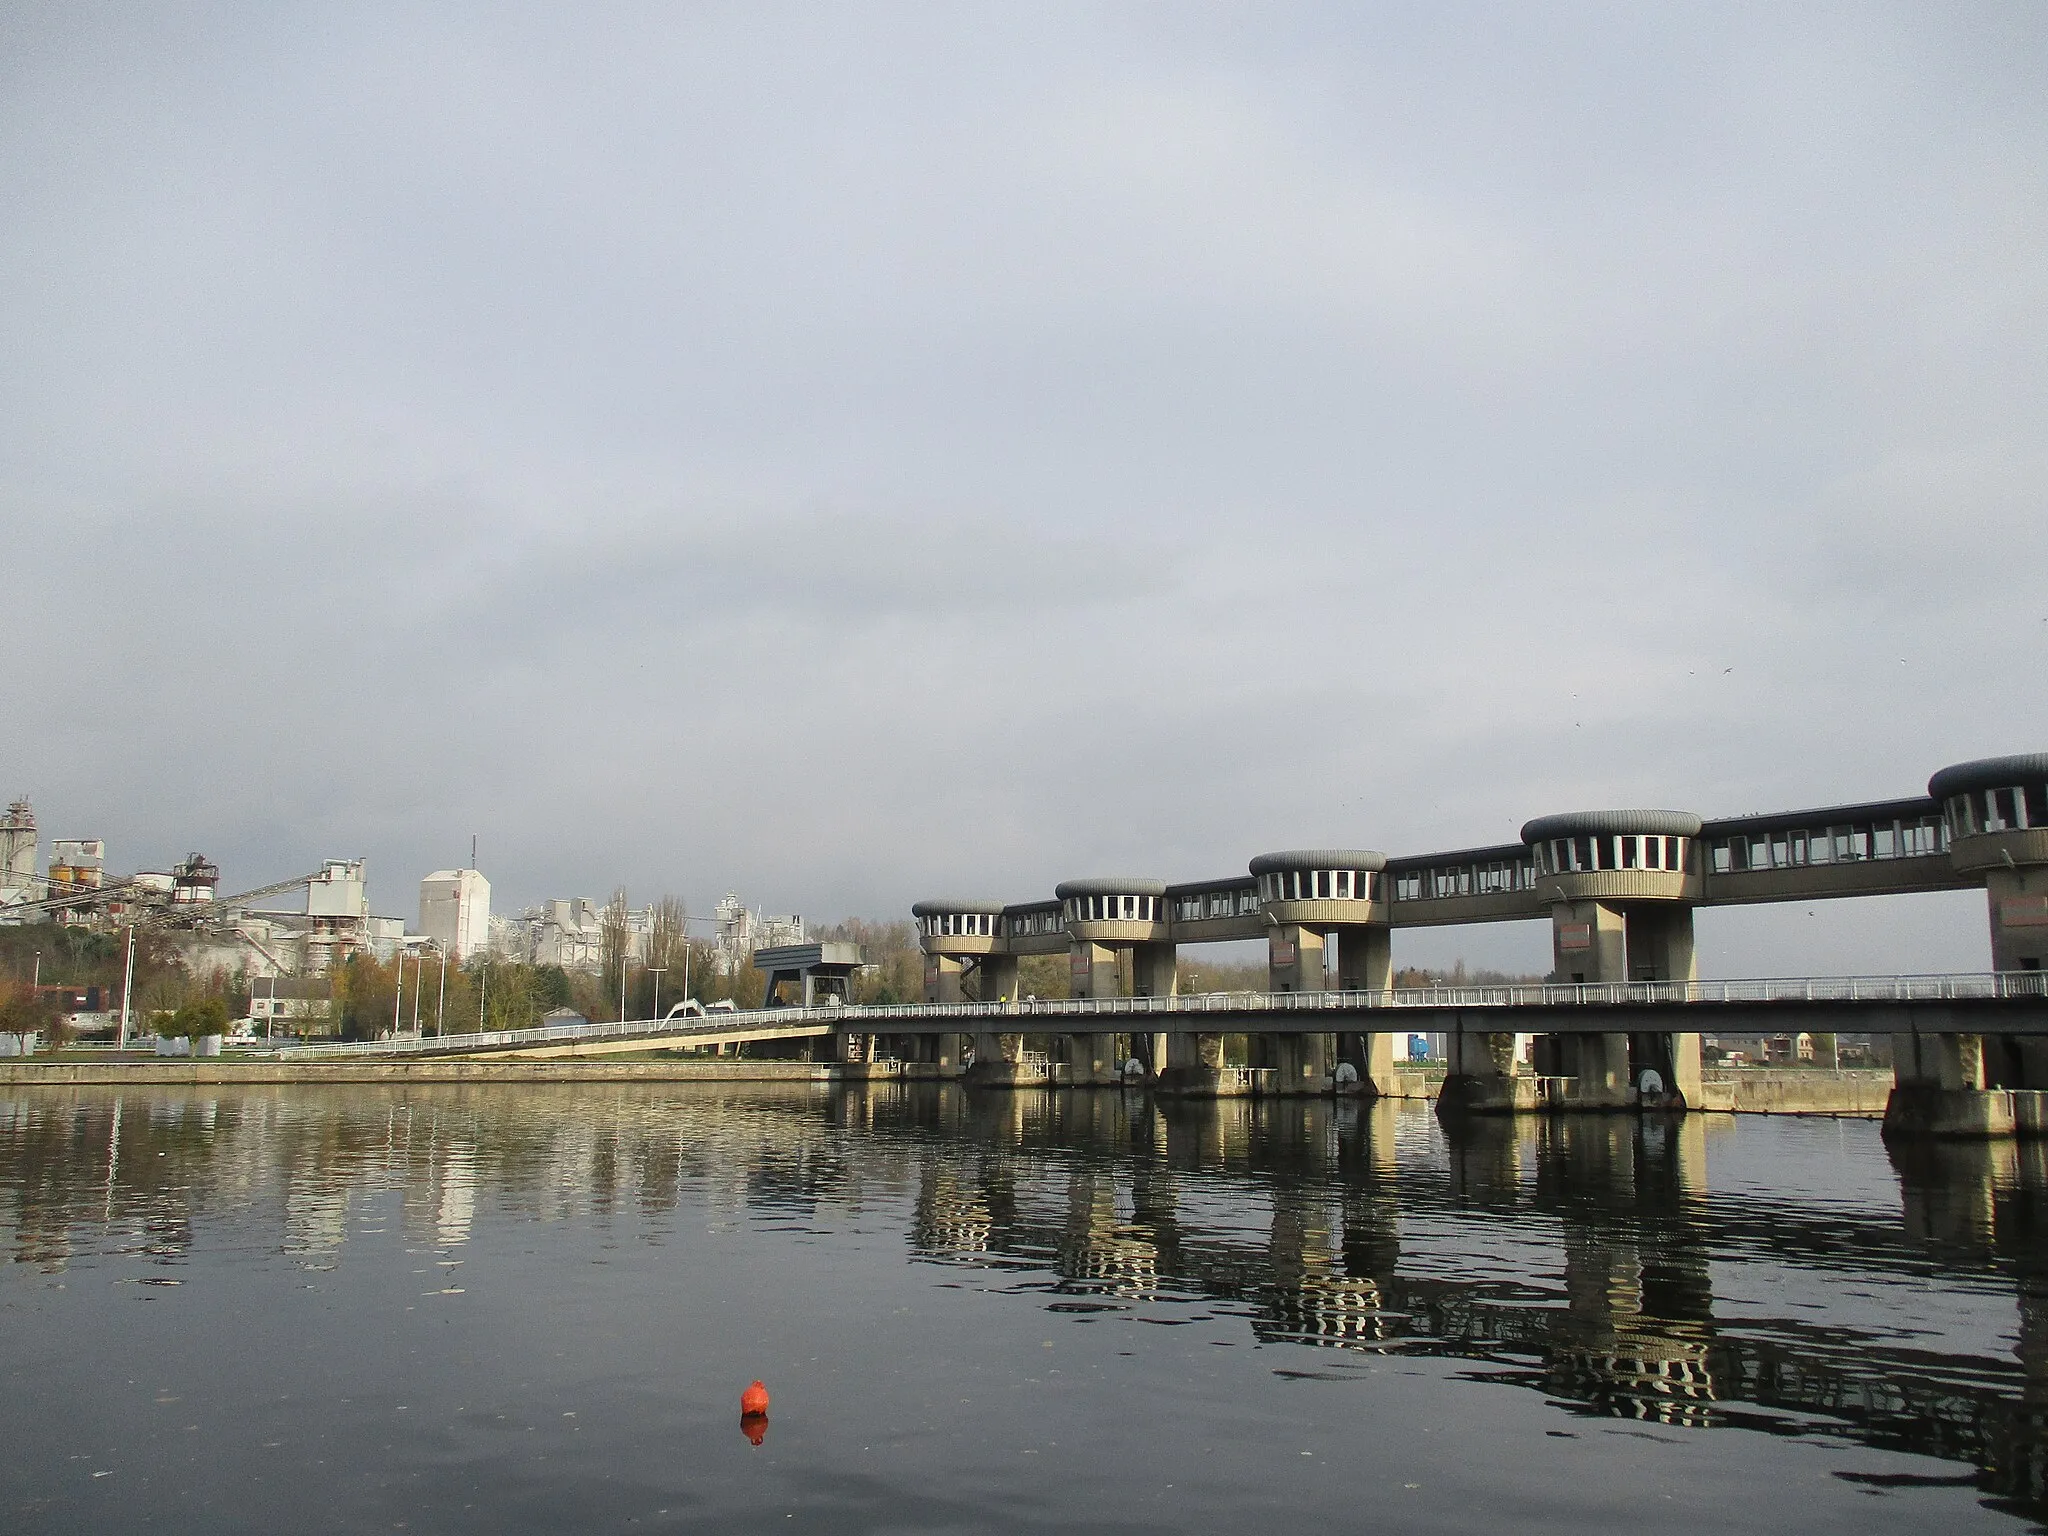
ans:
(160, 906)
(188, 903)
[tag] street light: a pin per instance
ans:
(687, 920)
(655, 971)
(398, 991)
(127, 984)
(441, 1001)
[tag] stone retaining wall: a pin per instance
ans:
(1763, 1091)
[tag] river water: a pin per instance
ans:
(534, 1309)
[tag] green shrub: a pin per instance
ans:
(196, 1020)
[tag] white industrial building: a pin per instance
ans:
(741, 932)
(18, 882)
(455, 912)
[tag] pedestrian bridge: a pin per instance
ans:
(1988, 1002)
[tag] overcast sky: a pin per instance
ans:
(850, 453)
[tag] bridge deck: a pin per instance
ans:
(2001, 1003)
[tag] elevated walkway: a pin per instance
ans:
(1989, 1002)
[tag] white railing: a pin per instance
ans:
(758, 1021)
(875, 1018)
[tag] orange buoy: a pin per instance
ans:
(754, 1399)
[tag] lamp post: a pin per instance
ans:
(398, 991)
(127, 985)
(686, 948)
(441, 1001)
(655, 971)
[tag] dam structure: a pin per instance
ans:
(1619, 889)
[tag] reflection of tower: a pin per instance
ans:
(1155, 1206)
(1206, 1133)
(315, 1214)
(456, 1209)
(1371, 1202)
(951, 1219)
(1095, 1247)
(1975, 1203)
(1312, 1299)
(1485, 1155)
(1639, 1302)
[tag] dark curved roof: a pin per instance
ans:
(1601, 823)
(1318, 858)
(1499, 853)
(1110, 885)
(1228, 883)
(1989, 773)
(1822, 816)
(944, 905)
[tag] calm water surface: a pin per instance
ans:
(533, 1309)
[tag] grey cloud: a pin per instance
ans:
(1131, 436)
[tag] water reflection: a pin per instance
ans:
(1575, 1258)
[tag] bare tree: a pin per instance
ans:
(615, 946)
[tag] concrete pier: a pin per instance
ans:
(1194, 1068)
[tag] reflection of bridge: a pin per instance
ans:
(1627, 1329)
(1577, 1256)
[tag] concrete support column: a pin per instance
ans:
(1193, 1064)
(1294, 958)
(1091, 1060)
(1091, 970)
(996, 978)
(1154, 970)
(1598, 1066)
(1688, 1078)
(1484, 1074)
(1588, 941)
(942, 979)
(2017, 903)
(1365, 963)
(1938, 1061)
(1372, 1058)
(1365, 960)
(1660, 943)
(1661, 948)
(996, 1060)
(1301, 1063)
(1939, 1090)
(1482, 1056)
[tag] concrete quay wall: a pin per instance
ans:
(1761, 1091)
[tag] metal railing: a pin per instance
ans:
(875, 1018)
(756, 1021)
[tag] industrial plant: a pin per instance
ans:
(286, 938)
